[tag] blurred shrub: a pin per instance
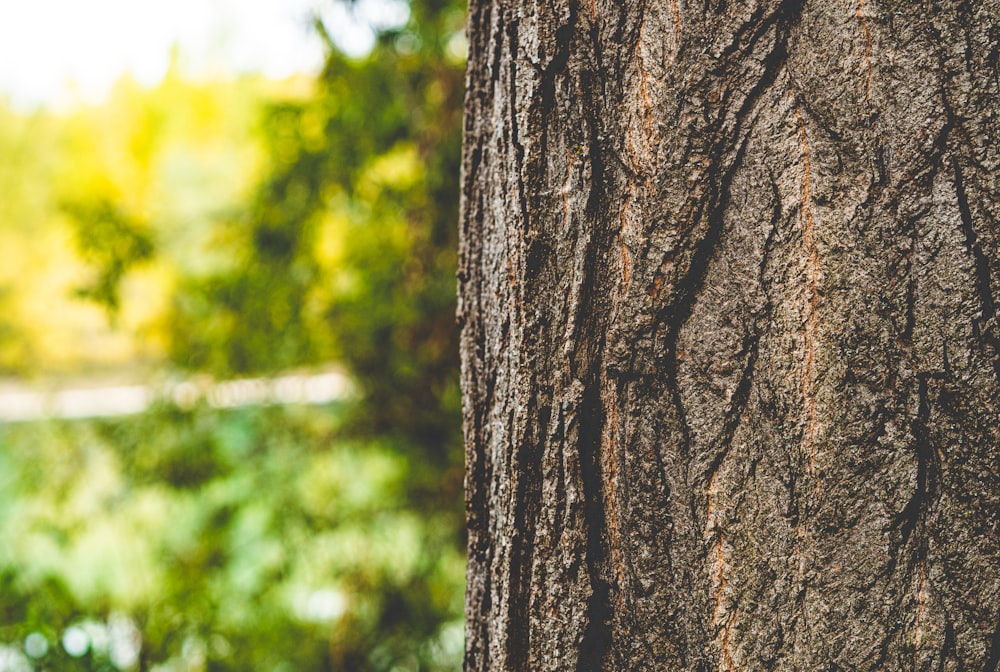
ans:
(253, 539)
(348, 251)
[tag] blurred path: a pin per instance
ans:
(95, 402)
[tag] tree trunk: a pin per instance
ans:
(729, 335)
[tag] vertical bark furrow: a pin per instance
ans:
(993, 662)
(596, 640)
(926, 471)
(986, 324)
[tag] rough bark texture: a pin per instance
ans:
(729, 288)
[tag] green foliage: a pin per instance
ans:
(117, 203)
(348, 251)
(243, 538)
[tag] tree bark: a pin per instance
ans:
(728, 296)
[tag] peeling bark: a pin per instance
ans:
(730, 345)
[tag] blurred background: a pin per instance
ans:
(229, 405)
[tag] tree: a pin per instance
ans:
(729, 335)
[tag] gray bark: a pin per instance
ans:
(728, 296)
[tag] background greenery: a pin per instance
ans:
(228, 228)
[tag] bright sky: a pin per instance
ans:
(52, 51)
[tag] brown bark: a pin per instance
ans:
(730, 345)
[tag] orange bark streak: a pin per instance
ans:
(867, 33)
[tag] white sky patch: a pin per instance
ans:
(353, 26)
(56, 51)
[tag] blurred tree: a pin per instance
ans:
(110, 240)
(84, 196)
(348, 250)
(224, 540)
